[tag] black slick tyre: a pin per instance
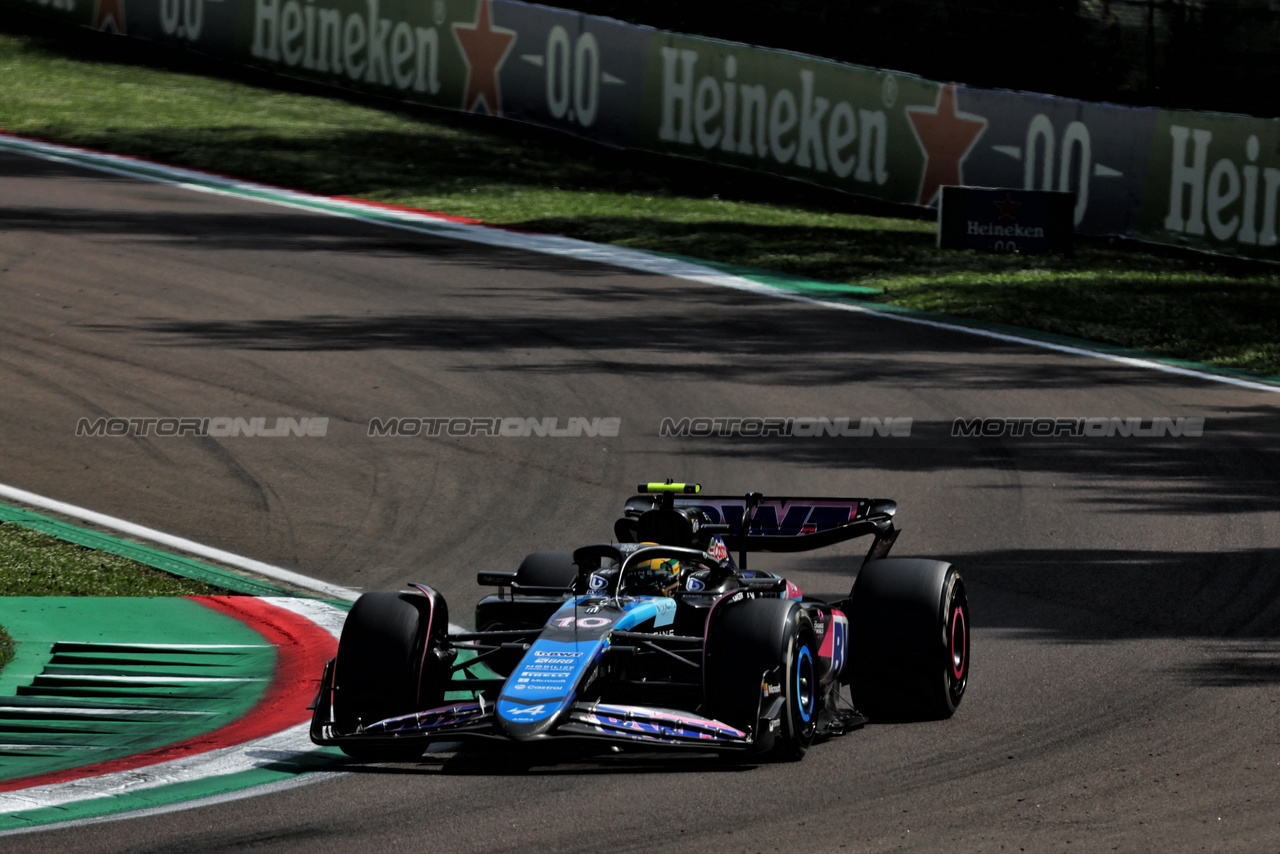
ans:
(748, 640)
(386, 666)
(547, 569)
(909, 639)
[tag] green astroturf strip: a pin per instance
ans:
(1186, 310)
(866, 296)
(279, 770)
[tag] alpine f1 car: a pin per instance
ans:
(659, 638)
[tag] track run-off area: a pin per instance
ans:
(1125, 589)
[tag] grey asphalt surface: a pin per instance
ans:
(1125, 592)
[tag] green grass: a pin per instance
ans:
(111, 94)
(36, 564)
(6, 648)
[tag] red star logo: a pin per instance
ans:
(485, 47)
(945, 137)
(109, 12)
(1008, 207)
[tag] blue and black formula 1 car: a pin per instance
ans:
(659, 639)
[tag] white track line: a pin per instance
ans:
(226, 797)
(285, 745)
(296, 740)
(630, 259)
(141, 532)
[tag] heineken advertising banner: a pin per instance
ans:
(1204, 180)
(1212, 183)
(1097, 151)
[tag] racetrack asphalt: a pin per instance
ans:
(1125, 591)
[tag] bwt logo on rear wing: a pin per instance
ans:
(788, 524)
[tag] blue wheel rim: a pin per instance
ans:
(804, 683)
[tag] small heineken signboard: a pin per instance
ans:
(1005, 220)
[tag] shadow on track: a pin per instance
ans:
(552, 760)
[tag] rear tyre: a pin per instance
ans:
(386, 666)
(555, 571)
(748, 640)
(909, 632)
(547, 569)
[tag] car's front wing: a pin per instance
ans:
(590, 721)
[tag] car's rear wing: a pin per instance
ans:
(788, 524)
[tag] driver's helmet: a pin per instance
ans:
(657, 577)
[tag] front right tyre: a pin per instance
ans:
(746, 641)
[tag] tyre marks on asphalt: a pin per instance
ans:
(1093, 564)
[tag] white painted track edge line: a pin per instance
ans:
(630, 259)
(306, 779)
(142, 532)
(246, 756)
(291, 742)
